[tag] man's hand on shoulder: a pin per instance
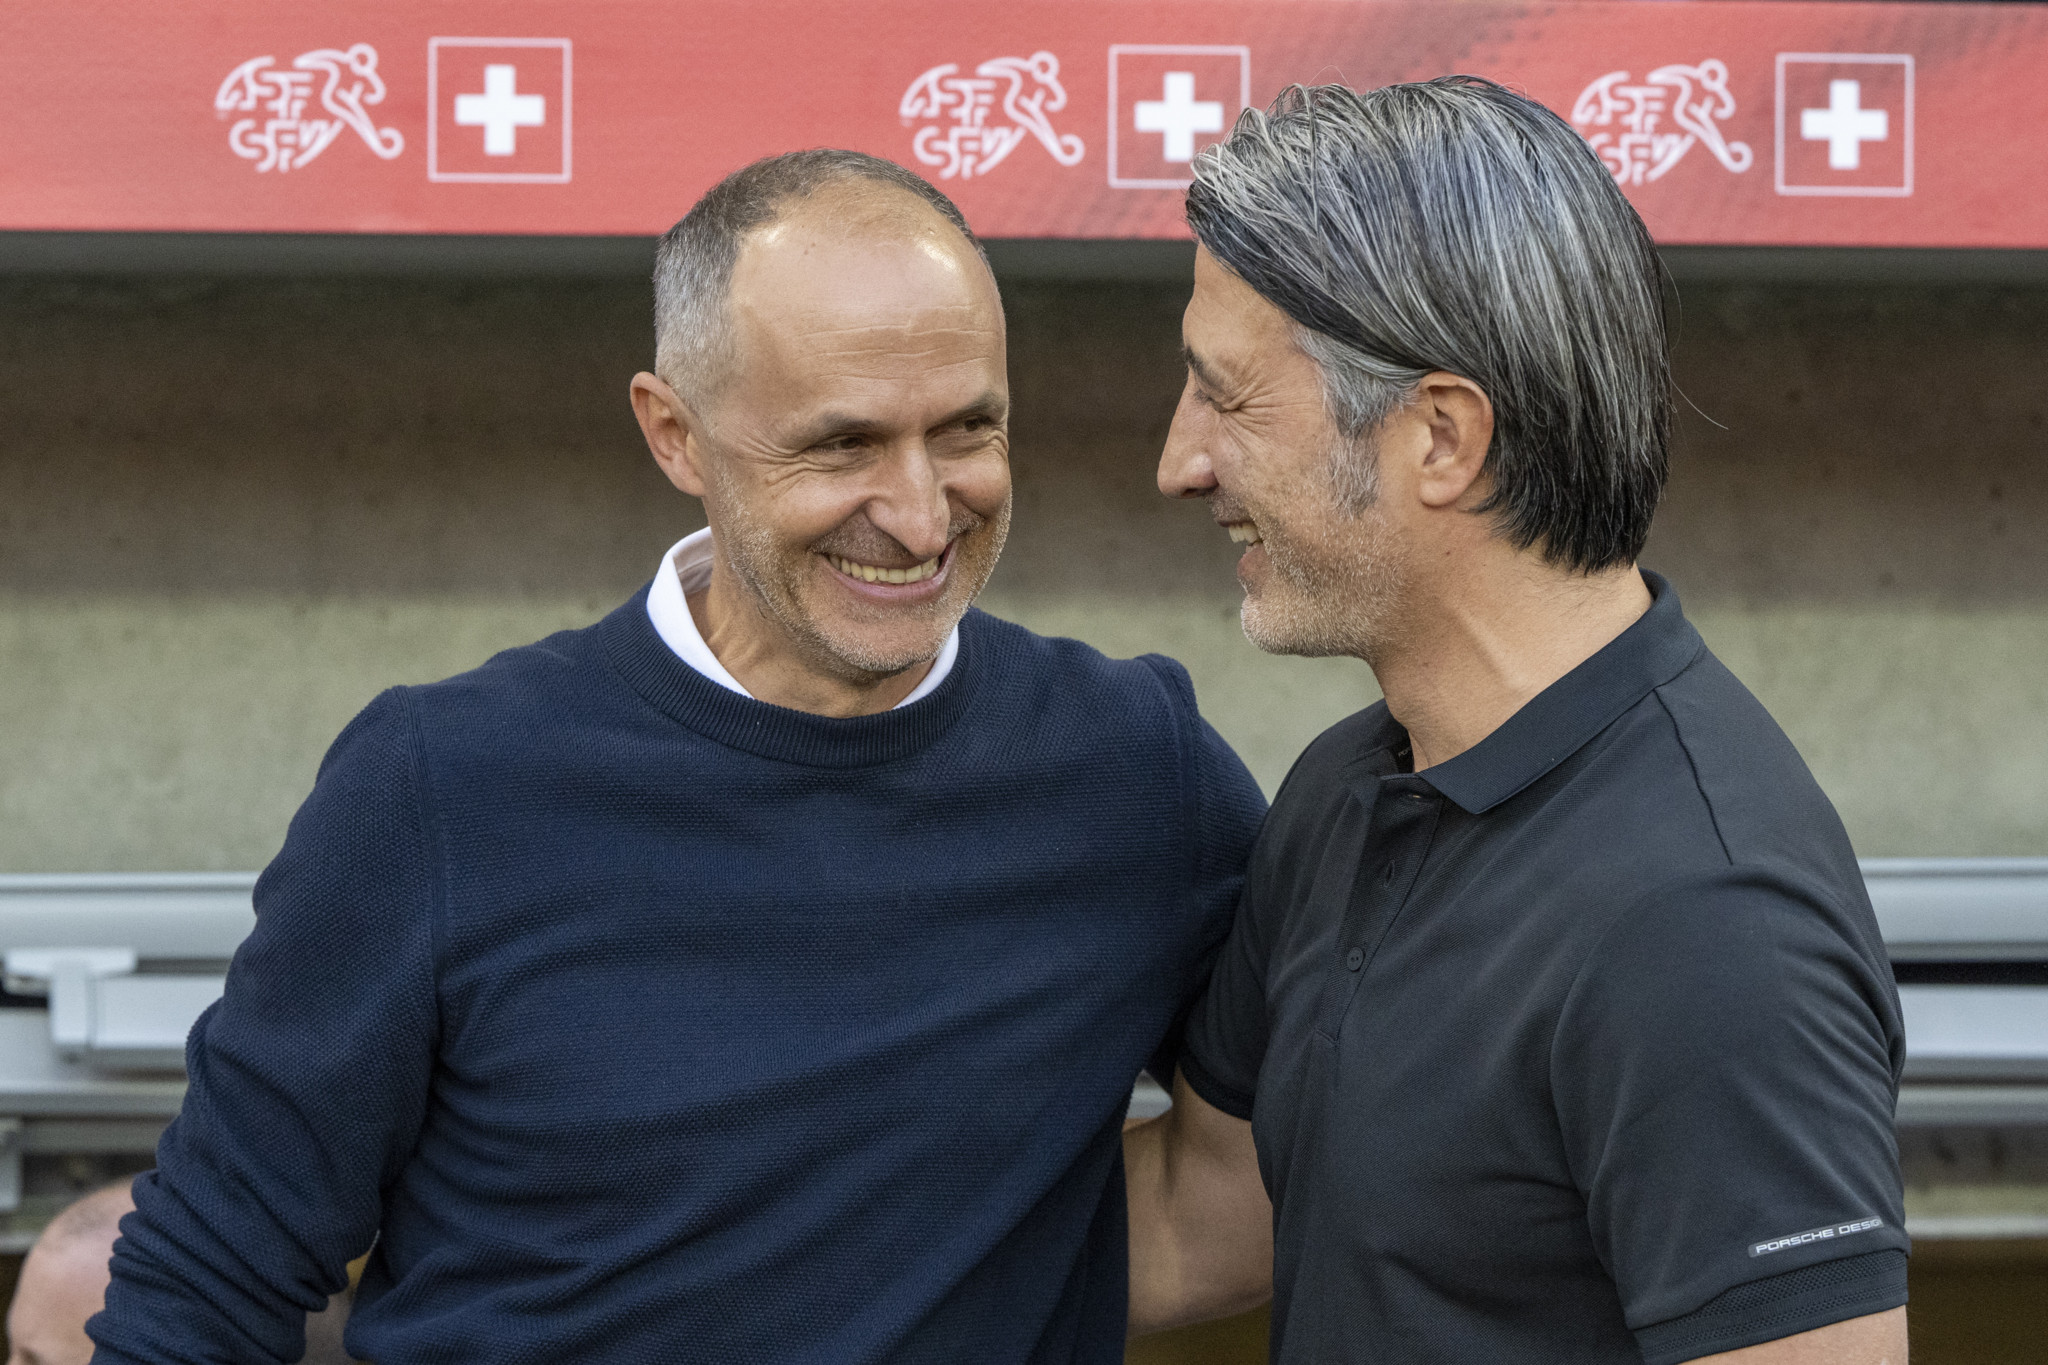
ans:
(1201, 1224)
(1874, 1339)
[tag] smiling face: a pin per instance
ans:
(855, 464)
(1254, 437)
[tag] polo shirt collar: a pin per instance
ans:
(1558, 721)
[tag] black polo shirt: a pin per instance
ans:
(1582, 1046)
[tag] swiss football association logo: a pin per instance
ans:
(963, 136)
(1624, 120)
(283, 131)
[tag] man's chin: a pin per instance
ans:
(869, 664)
(861, 651)
(1278, 631)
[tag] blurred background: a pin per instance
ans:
(234, 508)
(247, 482)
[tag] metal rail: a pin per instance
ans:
(126, 961)
(1961, 909)
(1977, 1052)
(1930, 909)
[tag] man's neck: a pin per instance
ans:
(762, 658)
(1488, 639)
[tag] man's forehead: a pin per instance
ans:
(881, 227)
(822, 346)
(1229, 329)
(817, 282)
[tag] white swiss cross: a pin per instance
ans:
(1845, 125)
(501, 112)
(1179, 115)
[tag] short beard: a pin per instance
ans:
(751, 549)
(1340, 602)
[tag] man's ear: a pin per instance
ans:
(671, 431)
(1460, 420)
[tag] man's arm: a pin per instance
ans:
(309, 1079)
(1874, 1339)
(1724, 1075)
(1201, 1225)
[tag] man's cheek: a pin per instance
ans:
(812, 520)
(983, 488)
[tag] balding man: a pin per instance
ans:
(759, 974)
(64, 1280)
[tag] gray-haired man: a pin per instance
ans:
(1555, 1021)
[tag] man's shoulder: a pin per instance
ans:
(1764, 802)
(1071, 675)
(1716, 840)
(1692, 789)
(518, 702)
(517, 678)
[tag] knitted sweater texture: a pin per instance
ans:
(636, 1020)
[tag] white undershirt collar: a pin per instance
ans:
(685, 569)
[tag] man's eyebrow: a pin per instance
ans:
(827, 425)
(988, 403)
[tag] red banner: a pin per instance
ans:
(1797, 124)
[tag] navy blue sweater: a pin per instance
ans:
(636, 1020)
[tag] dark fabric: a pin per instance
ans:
(641, 1021)
(1550, 1047)
(1765, 1310)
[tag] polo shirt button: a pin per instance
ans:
(1354, 959)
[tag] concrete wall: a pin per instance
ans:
(231, 512)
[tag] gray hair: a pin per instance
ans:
(1455, 225)
(693, 265)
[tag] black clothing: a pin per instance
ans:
(1582, 1046)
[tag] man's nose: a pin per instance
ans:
(1184, 467)
(911, 505)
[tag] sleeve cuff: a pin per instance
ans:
(1232, 1102)
(1781, 1306)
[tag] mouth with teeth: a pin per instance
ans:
(884, 577)
(1244, 532)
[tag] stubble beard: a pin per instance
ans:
(774, 576)
(1338, 598)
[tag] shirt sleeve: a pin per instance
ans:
(1225, 808)
(309, 1078)
(1224, 1046)
(1226, 1033)
(1725, 1070)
